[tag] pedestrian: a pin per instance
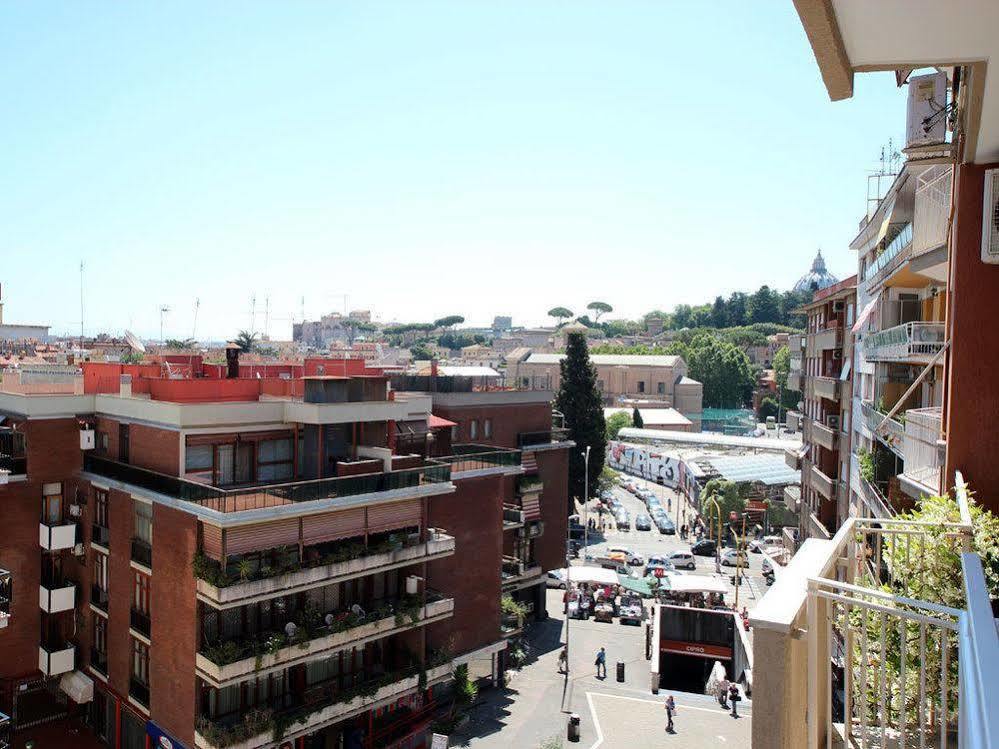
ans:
(734, 697)
(601, 664)
(670, 711)
(723, 692)
(669, 504)
(563, 661)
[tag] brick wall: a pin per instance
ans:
(508, 421)
(553, 467)
(148, 447)
(121, 581)
(474, 516)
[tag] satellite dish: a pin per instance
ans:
(134, 342)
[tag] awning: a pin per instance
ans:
(641, 587)
(436, 422)
(886, 222)
(865, 313)
(78, 686)
(693, 584)
(845, 374)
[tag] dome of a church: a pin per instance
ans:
(817, 278)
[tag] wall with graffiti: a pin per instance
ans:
(639, 461)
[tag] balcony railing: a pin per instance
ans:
(529, 439)
(55, 594)
(57, 535)
(931, 209)
(827, 338)
(513, 516)
(56, 657)
(142, 552)
(909, 342)
(822, 435)
(271, 495)
(140, 622)
(12, 456)
(100, 535)
(479, 457)
(891, 259)
(794, 380)
(922, 450)
(99, 597)
(823, 484)
(890, 434)
(826, 387)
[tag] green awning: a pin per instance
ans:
(641, 587)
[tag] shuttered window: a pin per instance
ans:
(211, 541)
(317, 529)
(393, 516)
(260, 536)
(532, 507)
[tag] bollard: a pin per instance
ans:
(572, 729)
(620, 670)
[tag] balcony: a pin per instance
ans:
(824, 340)
(323, 705)
(100, 535)
(434, 473)
(142, 552)
(794, 380)
(824, 485)
(792, 497)
(57, 536)
(254, 657)
(99, 598)
(892, 431)
(796, 342)
(56, 657)
(823, 435)
(922, 451)
(139, 621)
(793, 421)
(513, 517)
(793, 456)
(890, 260)
(56, 594)
(12, 455)
(516, 571)
(437, 546)
(529, 485)
(466, 458)
(916, 342)
(855, 646)
(826, 387)
(532, 529)
(536, 439)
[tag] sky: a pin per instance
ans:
(423, 158)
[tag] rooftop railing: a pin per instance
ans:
(12, 456)
(478, 457)
(271, 495)
(529, 439)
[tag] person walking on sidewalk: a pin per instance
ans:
(723, 686)
(563, 661)
(670, 711)
(734, 697)
(601, 664)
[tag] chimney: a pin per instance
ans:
(125, 386)
(232, 361)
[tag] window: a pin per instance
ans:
(101, 571)
(52, 503)
(473, 429)
(123, 443)
(101, 508)
(487, 428)
(641, 386)
(140, 596)
(661, 388)
(140, 662)
(100, 634)
(198, 462)
(274, 460)
(103, 442)
(143, 517)
(455, 432)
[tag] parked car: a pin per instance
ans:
(665, 525)
(556, 579)
(734, 557)
(658, 565)
(631, 610)
(682, 560)
(623, 522)
(759, 544)
(643, 523)
(703, 548)
(636, 560)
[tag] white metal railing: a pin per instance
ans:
(890, 431)
(910, 341)
(887, 669)
(931, 209)
(888, 261)
(922, 447)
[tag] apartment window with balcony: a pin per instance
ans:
(99, 644)
(641, 386)
(473, 429)
(142, 535)
(123, 446)
(52, 503)
(140, 604)
(487, 428)
(661, 388)
(274, 460)
(103, 443)
(99, 587)
(101, 508)
(199, 462)
(138, 686)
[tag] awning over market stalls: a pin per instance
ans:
(679, 583)
(641, 587)
(596, 575)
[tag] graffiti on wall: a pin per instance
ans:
(641, 462)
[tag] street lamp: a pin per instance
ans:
(712, 501)
(586, 500)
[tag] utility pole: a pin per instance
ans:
(253, 311)
(267, 315)
(586, 500)
(163, 310)
(81, 304)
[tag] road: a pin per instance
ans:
(651, 542)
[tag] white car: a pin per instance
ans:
(635, 560)
(734, 557)
(556, 579)
(682, 560)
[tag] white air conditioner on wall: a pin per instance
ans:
(990, 217)
(87, 439)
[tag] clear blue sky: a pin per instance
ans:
(426, 158)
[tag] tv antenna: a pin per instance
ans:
(267, 316)
(163, 310)
(81, 304)
(194, 328)
(253, 311)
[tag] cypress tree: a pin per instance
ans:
(579, 402)
(636, 419)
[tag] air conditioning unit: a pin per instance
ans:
(87, 439)
(926, 118)
(74, 511)
(990, 218)
(413, 585)
(78, 550)
(832, 422)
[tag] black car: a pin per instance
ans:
(703, 548)
(665, 525)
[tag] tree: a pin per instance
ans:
(719, 313)
(768, 407)
(560, 313)
(737, 309)
(599, 308)
(246, 340)
(616, 423)
(763, 306)
(636, 419)
(180, 343)
(578, 400)
(729, 499)
(420, 351)
(682, 316)
(782, 366)
(448, 322)
(721, 367)
(353, 327)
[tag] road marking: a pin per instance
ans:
(722, 738)
(715, 711)
(596, 721)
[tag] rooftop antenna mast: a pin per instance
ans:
(194, 328)
(253, 311)
(267, 315)
(303, 309)
(163, 310)
(81, 304)
(890, 163)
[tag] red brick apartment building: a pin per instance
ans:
(198, 556)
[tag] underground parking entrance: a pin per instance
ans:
(688, 642)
